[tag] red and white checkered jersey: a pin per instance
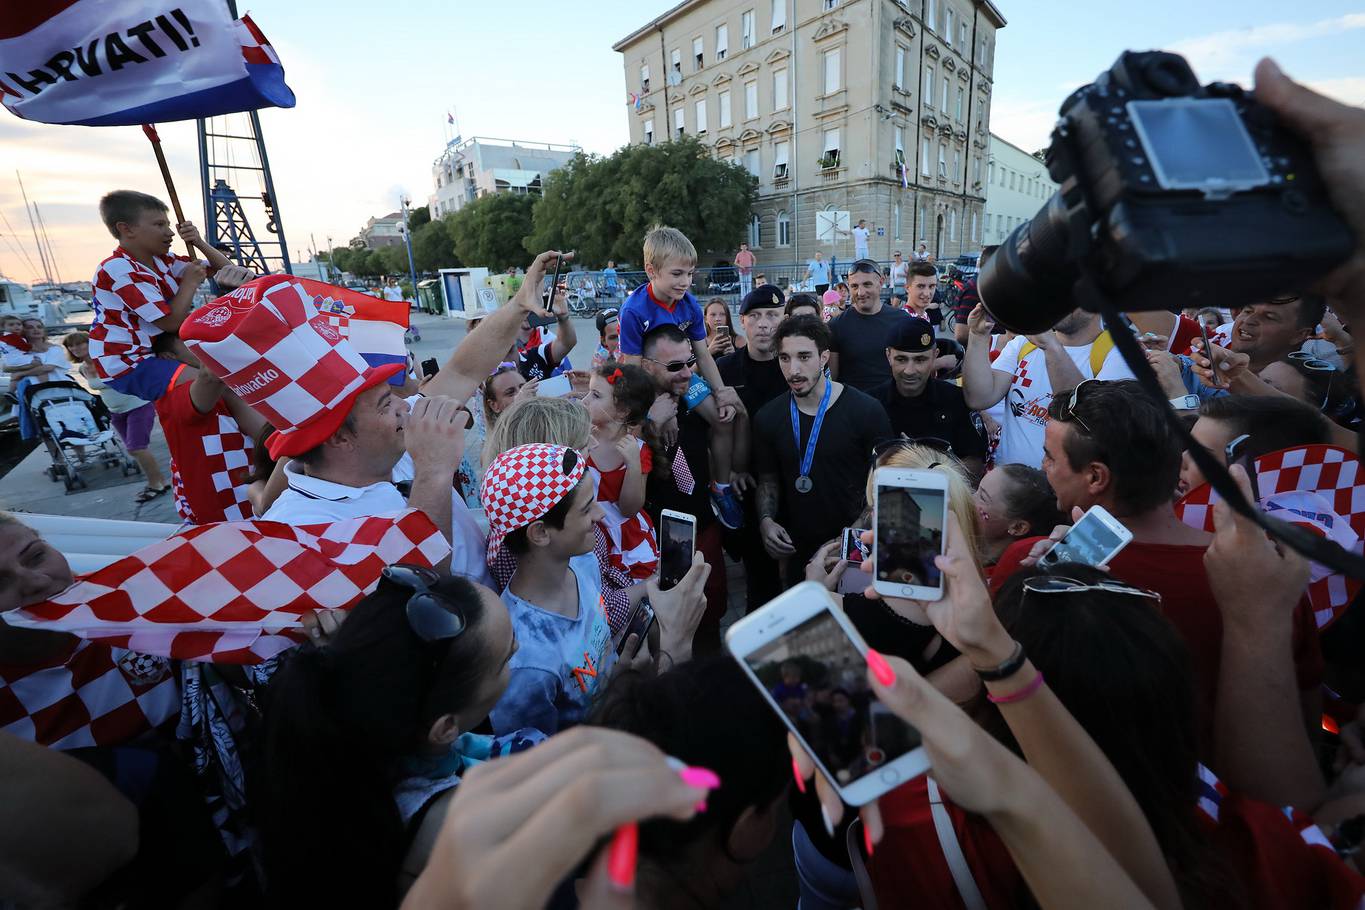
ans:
(88, 695)
(634, 546)
(129, 298)
(210, 459)
(236, 591)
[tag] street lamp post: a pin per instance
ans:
(407, 241)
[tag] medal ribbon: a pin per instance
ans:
(809, 455)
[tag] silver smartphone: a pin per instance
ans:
(1094, 540)
(677, 541)
(809, 662)
(909, 517)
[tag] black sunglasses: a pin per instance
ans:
(431, 615)
(675, 366)
(904, 442)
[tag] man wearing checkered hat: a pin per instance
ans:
(340, 421)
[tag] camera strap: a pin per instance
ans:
(1299, 539)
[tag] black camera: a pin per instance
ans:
(1172, 195)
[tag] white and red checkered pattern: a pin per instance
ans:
(235, 592)
(225, 463)
(268, 343)
(255, 47)
(1320, 488)
(524, 483)
(129, 298)
(90, 695)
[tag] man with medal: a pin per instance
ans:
(812, 449)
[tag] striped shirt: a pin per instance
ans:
(129, 298)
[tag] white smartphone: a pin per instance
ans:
(809, 662)
(554, 387)
(1094, 540)
(677, 540)
(909, 515)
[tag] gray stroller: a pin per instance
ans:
(78, 432)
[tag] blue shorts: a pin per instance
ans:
(149, 380)
(697, 391)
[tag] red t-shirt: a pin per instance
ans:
(1186, 331)
(210, 459)
(1177, 574)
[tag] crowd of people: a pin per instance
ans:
(522, 714)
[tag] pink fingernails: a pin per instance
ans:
(867, 839)
(796, 773)
(622, 854)
(702, 778)
(881, 670)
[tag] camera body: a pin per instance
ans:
(1173, 195)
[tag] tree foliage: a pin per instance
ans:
(433, 248)
(491, 231)
(603, 207)
(418, 217)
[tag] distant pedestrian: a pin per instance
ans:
(744, 261)
(860, 235)
(817, 273)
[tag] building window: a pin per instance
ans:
(754, 231)
(832, 61)
(924, 158)
(679, 126)
(701, 116)
(896, 221)
(725, 110)
(952, 224)
(649, 131)
(959, 102)
(675, 58)
(942, 159)
(1012, 180)
(780, 90)
(751, 162)
(784, 228)
(930, 13)
(900, 145)
(990, 171)
(976, 170)
(928, 87)
(779, 15)
(830, 4)
(697, 54)
(957, 164)
(948, 27)
(781, 160)
(830, 158)
(644, 78)
(899, 77)
(722, 41)
(981, 53)
(946, 86)
(746, 30)
(962, 36)
(973, 225)
(750, 100)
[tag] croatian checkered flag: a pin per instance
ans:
(1320, 488)
(235, 592)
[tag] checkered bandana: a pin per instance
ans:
(234, 592)
(1320, 488)
(524, 483)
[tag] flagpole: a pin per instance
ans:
(150, 132)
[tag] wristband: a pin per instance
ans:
(1017, 696)
(1004, 670)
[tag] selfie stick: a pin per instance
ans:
(150, 131)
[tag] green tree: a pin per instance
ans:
(433, 248)
(491, 231)
(603, 207)
(418, 217)
(393, 260)
(344, 258)
(367, 264)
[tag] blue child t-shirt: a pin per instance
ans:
(643, 311)
(560, 662)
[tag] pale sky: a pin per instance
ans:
(374, 85)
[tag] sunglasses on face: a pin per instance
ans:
(431, 615)
(675, 366)
(1057, 584)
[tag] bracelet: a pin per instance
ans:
(1017, 696)
(1004, 670)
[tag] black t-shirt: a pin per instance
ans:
(757, 382)
(534, 363)
(939, 412)
(854, 423)
(663, 493)
(860, 341)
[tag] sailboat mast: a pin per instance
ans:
(47, 241)
(47, 272)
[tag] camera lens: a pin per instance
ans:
(1026, 284)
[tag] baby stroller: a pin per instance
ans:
(77, 430)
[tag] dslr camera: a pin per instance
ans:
(1172, 195)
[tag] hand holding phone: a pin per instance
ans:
(909, 516)
(554, 387)
(1217, 381)
(677, 541)
(1093, 541)
(430, 367)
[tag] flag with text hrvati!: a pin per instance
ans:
(235, 591)
(127, 62)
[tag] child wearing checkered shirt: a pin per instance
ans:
(142, 295)
(618, 399)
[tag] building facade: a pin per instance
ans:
(874, 108)
(1017, 185)
(477, 166)
(381, 232)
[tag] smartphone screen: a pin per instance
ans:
(430, 367)
(851, 547)
(639, 624)
(554, 387)
(675, 549)
(818, 678)
(1090, 541)
(1208, 352)
(909, 535)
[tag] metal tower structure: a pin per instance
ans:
(233, 170)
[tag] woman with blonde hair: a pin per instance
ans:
(906, 453)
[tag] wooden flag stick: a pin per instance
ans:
(150, 131)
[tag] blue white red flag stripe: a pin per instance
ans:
(373, 326)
